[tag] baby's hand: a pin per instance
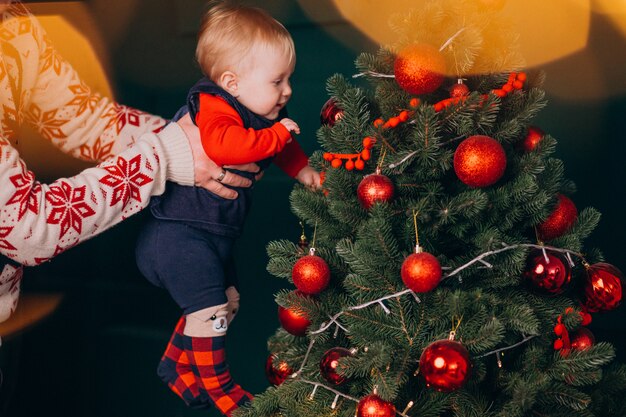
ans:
(290, 125)
(309, 178)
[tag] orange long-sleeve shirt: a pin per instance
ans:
(227, 142)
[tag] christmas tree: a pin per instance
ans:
(446, 273)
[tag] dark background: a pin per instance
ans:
(97, 354)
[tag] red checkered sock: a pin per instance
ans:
(207, 358)
(175, 371)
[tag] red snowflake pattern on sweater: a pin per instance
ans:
(46, 122)
(5, 244)
(68, 207)
(126, 178)
(97, 152)
(26, 192)
(119, 116)
(50, 58)
(83, 98)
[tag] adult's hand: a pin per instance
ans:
(207, 172)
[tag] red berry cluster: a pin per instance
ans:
(356, 160)
(564, 343)
(515, 82)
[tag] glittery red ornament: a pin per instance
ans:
(532, 139)
(330, 362)
(479, 161)
(330, 113)
(374, 406)
(445, 365)
(421, 272)
(582, 339)
(310, 274)
(419, 69)
(603, 287)
(374, 188)
(276, 370)
(293, 320)
(459, 90)
(550, 274)
(559, 221)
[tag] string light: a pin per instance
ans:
(456, 321)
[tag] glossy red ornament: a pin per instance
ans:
(310, 274)
(374, 406)
(550, 274)
(445, 365)
(459, 90)
(330, 113)
(276, 370)
(532, 139)
(603, 287)
(479, 161)
(582, 339)
(374, 188)
(419, 69)
(330, 362)
(293, 320)
(559, 221)
(421, 272)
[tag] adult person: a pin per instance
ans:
(138, 154)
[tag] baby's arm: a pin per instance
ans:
(227, 142)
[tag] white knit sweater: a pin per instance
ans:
(39, 221)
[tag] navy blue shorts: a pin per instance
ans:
(195, 266)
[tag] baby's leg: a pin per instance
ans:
(175, 371)
(204, 341)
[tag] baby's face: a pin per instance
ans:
(263, 86)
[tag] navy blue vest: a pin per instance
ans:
(197, 206)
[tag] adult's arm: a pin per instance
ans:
(40, 221)
(58, 103)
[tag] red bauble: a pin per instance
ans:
(330, 362)
(293, 320)
(479, 161)
(559, 221)
(549, 275)
(603, 287)
(374, 406)
(582, 339)
(374, 188)
(445, 365)
(276, 370)
(421, 272)
(310, 274)
(330, 113)
(532, 139)
(459, 90)
(419, 69)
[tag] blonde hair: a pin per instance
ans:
(228, 32)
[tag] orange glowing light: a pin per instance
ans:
(547, 30)
(539, 269)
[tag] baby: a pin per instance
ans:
(186, 247)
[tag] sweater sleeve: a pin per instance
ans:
(227, 142)
(59, 104)
(40, 221)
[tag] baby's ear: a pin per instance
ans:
(228, 81)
